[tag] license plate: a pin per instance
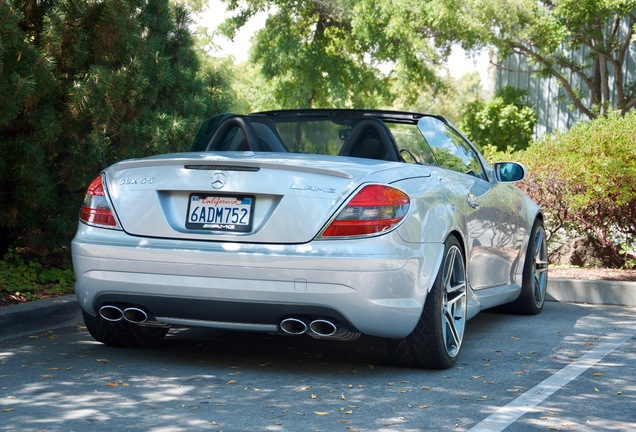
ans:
(220, 212)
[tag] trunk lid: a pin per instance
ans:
(240, 197)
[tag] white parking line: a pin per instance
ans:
(505, 416)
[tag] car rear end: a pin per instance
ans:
(276, 242)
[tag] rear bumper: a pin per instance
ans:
(374, 286)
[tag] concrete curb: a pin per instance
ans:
(592, 291)
(38, 316)
(33, 317)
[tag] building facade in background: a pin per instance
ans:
(555, 110)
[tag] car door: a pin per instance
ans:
(490, 210)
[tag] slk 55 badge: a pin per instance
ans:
(136, 180)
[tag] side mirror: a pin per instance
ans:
(509, 172)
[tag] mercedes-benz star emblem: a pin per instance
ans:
(218, 180)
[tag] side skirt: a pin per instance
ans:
(487, 298)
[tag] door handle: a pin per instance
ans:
(473, 201)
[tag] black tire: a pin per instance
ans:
(535, 275)
(122, 332)
(436, 341)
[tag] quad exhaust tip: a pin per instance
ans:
(135, 315)
(323, 328)
(131, 314)
(317, 328)
(293, 326)
(111, 313)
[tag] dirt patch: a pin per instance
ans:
(592, 274)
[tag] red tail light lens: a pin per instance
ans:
(96, 211)
(374, 209)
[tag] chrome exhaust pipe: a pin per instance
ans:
(135, 315)
(293, 326)
(111, 313)
(323, 328)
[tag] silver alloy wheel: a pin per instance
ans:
(540, 267)
(454, 304)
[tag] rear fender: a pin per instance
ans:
(432, 216)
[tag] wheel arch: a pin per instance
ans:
(463, 244)
(461, 239)
(538, 216)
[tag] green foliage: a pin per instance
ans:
(32, 278)
(82, 80)
(242, 88)
(375, 52)
(505, 122)
(451, 102)
(354, 53)
(585, 180)
(545, 32)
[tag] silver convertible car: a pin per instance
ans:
(331, 223)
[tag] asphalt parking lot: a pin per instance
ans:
(570, 368)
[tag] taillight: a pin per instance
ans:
(96, 211)
(374, 209)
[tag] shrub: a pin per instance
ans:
(82, 82)
(585, 180)
(504, 122)
(29, 277)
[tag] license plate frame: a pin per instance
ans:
(226, 213)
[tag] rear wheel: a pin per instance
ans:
(535, 275)
(436, 341)
(122, 332)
